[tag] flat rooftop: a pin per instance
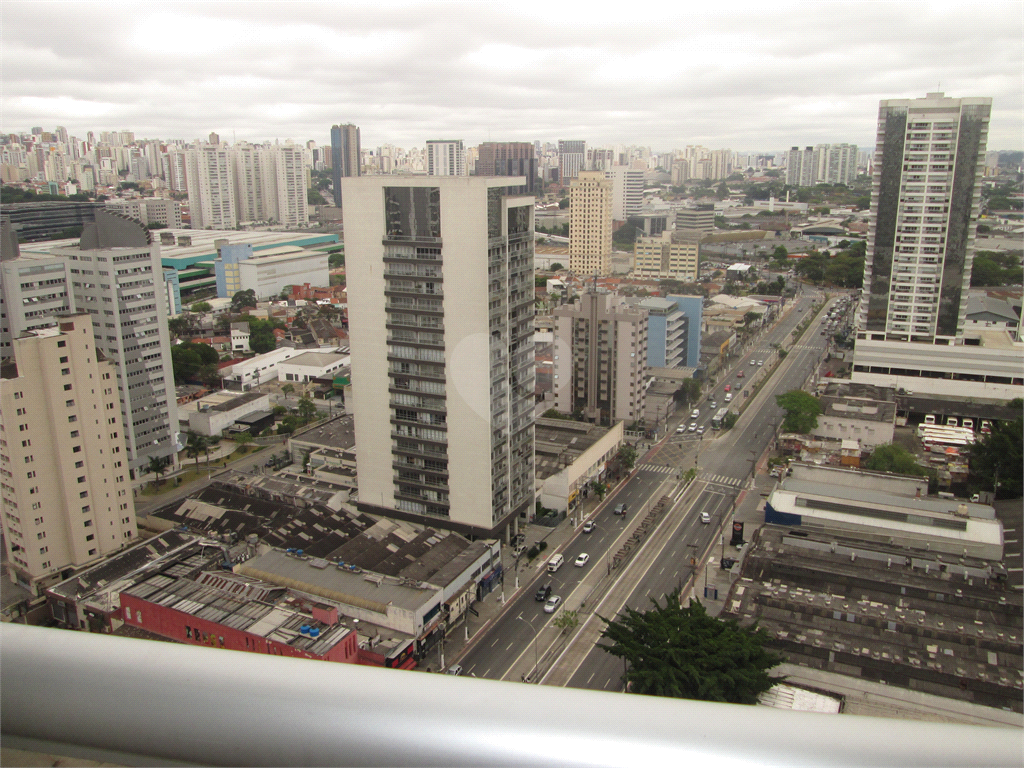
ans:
(559, 442)
(316, 359)
(338, 434)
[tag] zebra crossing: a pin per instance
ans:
(707, 477)
(660, 469)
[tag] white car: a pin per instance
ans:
(589, 526)
(728, 397)
(680, 429)
(582, 560)
(700, 430)
(705, 518)
(760, 362)
(695, 414)
(553, 602)
(693, 427)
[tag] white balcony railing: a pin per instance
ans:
(138, 702)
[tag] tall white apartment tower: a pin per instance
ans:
(441, 282)
(66, 494)
(925, 201)
(446, 157)
(211, 187)
(627, 191)
(590, 224)
(117, 278)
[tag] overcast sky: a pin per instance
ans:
(762, 76)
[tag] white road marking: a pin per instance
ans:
(1015, 570)
(509, 648)
(606, 683)
(485, 674)
(495, 641)
(590, 678)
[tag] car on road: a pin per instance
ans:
(589, 526)
(760, 362)
(713, 405)
(695, 414)
(620, 509)
(705, 518)
(693, 427)
(553, 602)
(700, 430)
(582, 560)
(455, 669)
(740, 375)
(728, 387)
(543, 593)
(680, 429)
(728, 397)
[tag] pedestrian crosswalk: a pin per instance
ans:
(707, 477)
(660, 469)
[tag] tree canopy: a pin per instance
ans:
(188, 360)
(687, 654)
(993, 268)
(243, 299)
(802, 410)
(261, 334)
(998, 458)
(892, 457)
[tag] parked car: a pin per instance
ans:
(620, 509)
(760, 362)
(582, 560)
(705, 518)
(543, 593)
(589, 526)
(553, 602)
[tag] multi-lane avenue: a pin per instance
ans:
(522, 642)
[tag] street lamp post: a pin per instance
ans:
(536, 657)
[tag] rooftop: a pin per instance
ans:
(338, 434)
(559, 442)
(316, 359)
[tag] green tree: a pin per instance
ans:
(287, 389)
(599, 488)
(243, 300)
(242, 440)
(686, 654)
(723, 191)
(201, 306)
(730, 420)
(195, 446)
(567, 621)
(313, 197)
(261, 335)
(627, 455)
(801, 409)
(563, 203)
(557, 266)
(997, 458)
(750, 318)
(336, 259)
(306, 409)
(892, 457)
(780, 253)
(158, 466)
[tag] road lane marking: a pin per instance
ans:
(590, 678)
(485, 674)
(606, 683)
(495, 641)
(509, 648)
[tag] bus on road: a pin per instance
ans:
(718, 418)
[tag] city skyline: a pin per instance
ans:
(734, 77)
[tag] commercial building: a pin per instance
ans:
(508, 158)
(570, 456)
(229, 276)
(572, 158)
(600, 356)
(66, 491)
(858, 412)
(116, 277)
(627, 191)
(590, 224)
(926, 199)
(244, 375)
(666, 257)
(446, 157)
(692, 308)
(308, 366)
(458, 372)
(268, 275)
(666, 333)
(46, 220)
(695, 223)
(212, 414)
(345, 156)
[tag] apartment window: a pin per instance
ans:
(64, 359)
(69, 403)
(72, 419)
(74, 433)
(90, 537)
(62, 343)
(43, 550)
(86, 508)
(77, 448)
(81, 479)
(83, 495)
(79, 464)
(65, 371)
(41, 535)
(29, 459)
(31, 474)
(67, 387)
(87, 524)
(92, 551)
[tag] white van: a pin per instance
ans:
(728, 397)
(555, 563)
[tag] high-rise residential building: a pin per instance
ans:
(250, 175)
(288, 203)
(441, 324)
(666, 257)
(590, 224)
(66, 493)
(822, 164)
(842, 164)
(667, 333)
(211, 187)
(721, 163)
(446, 157)
(627, 191)
(800, 167)
(925, 201)
(346, 156)
(572, 158)
(117, 277)
(508, 158)
(926, 196)
(600, 356)
(33, 289)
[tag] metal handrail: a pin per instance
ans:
(141, 702)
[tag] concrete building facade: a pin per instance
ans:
(627, 191)
(66, 491)
(666, 257)
(666, 333)
(451, 334)
(590, 224)
(600, 356)
(268, 275)
(346, 156)
(446, 157)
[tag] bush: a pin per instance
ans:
(541, 546)
(532, 552)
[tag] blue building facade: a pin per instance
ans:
(229, 279)
(172, 288)
(692, 307)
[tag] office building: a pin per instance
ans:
(590, 224)
(446, 157)
(225, 266)
(149, 210)
(66, 493)
(572, 158)
(693, 308)
(122, 288)
(627, 191)
(435, 381)
(666, 257)
(926, 197)
(346, 156)
(600, 356)
(695, 223)
(666, 333)
(33, 289)
(49, 219)
(508, 158)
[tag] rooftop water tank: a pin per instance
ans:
(314, 632)
(304, 629)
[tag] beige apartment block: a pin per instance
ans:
(666, 257)
(590, 224)
(66, 493)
